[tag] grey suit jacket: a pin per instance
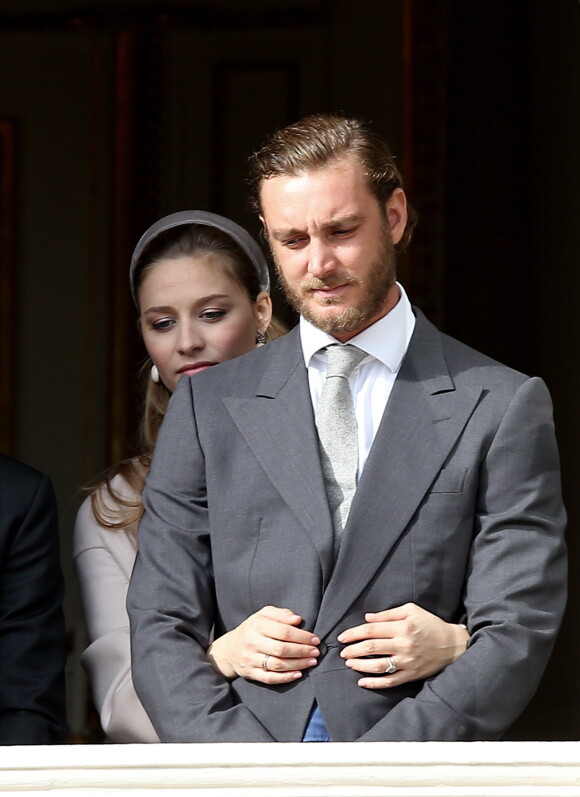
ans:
(458, 509)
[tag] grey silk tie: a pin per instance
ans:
(337, 432)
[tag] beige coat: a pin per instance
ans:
(104, 560)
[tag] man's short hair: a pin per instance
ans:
(319, 140)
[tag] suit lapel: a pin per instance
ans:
(422, 421)
(278, 425)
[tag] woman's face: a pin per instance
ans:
(193, 315)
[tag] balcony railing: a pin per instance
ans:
(431, 769)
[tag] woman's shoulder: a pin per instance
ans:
(99, 519)
(112, 493)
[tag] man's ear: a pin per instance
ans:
(396, 213)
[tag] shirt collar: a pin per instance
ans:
(386, 340)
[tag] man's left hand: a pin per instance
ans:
(413, 640)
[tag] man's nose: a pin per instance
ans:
(321, 259)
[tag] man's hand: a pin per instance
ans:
(267, 647)
(417, 642)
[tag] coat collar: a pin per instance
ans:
(278, 425)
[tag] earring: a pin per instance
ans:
(155, 373)
(260, 338)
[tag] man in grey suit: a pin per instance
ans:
(457, 506)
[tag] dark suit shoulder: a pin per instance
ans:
(28, 511)
(15, 469)
(21, 482)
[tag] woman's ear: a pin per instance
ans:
(263, 309)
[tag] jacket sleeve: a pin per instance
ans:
(515, 590)
(171, 601)
(32, 642)
(103, 561)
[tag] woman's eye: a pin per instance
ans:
(212, 315)
(162, 324)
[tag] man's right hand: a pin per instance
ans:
(267, 647)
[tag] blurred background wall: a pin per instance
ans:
(113, 114)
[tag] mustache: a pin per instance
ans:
(332, 281)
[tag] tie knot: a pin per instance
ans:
(342, 360)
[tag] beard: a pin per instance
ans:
(380, 278)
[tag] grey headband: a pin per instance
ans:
(235, 232)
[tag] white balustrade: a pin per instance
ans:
(429, 769)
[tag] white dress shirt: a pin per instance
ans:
(385, 343)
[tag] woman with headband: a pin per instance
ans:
(201, 286)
